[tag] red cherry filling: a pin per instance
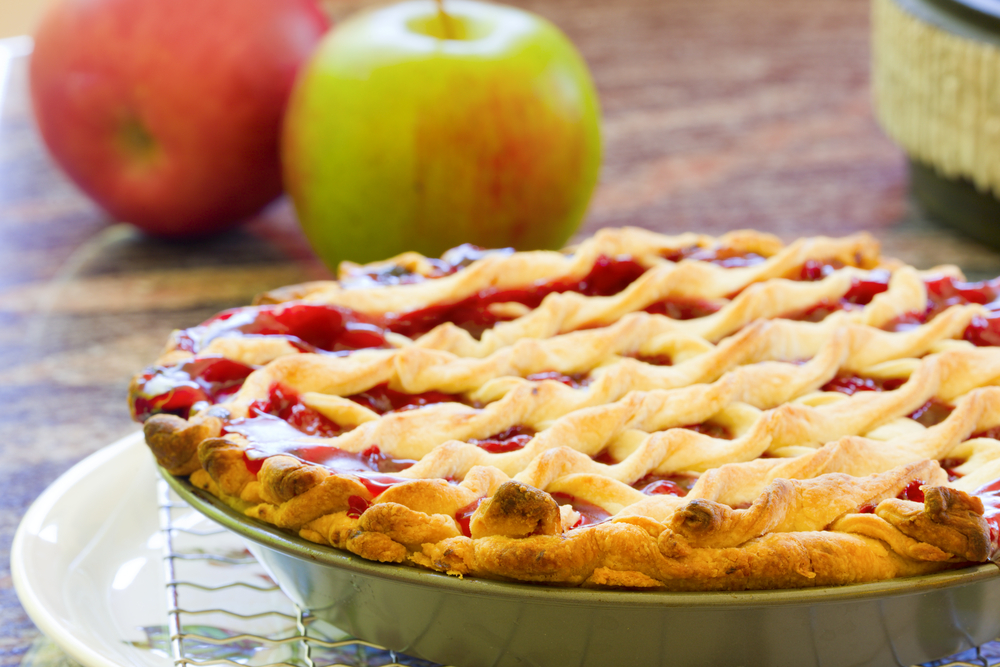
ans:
(726, 257)
(609, 275)
(313, 327)
(983, 331)
(990, 495)
(464, 516)
(816, 313)
(356, 506)
(282, 424)
(589, 512)
(371, 459)
(852, 384)
(576, 381)
(283, 417)
(674, 484)
(682, 309)
(451, 261)
(912, 491)
(383, 400)
(378, 460)
(271, 435)
(285, 404)
(654, 359)
(814, 269)
(391, 274)
(604, 457)
(176, 389)
(931, 413)
(512, 439)
(309, 327)
(949, 465)
(943, 292)
(988, 433)
(372, 467)
(253, 462)
(860, 293)
(863, 290)
(663, 487)
(946, 291)
(905, 322)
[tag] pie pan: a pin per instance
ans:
(484, 623)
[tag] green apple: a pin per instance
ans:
(412, 129)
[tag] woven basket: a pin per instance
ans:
(936, 84)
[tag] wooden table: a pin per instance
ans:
(718, 114)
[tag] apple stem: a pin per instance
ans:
(445, 21)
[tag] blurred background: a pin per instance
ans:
(19, 17)
(717, 115)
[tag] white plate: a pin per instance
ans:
(88, 566)
(83, 551)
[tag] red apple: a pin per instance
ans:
(168, 112)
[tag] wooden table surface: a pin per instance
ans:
(718, 114)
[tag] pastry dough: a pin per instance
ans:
(642, 411)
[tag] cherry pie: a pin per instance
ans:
(644, 411)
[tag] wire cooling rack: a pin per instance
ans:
(223, 608)
(210, 568)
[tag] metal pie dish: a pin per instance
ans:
(484, 623)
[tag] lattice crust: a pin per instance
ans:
(791, 480)
(568, 311)
(519, 269)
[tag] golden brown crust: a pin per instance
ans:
(223, 460)
(174, 441)
(786, 473)
(948, 518)
(409, 528)
(516, 510)
(285, 477)
(782, 560)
